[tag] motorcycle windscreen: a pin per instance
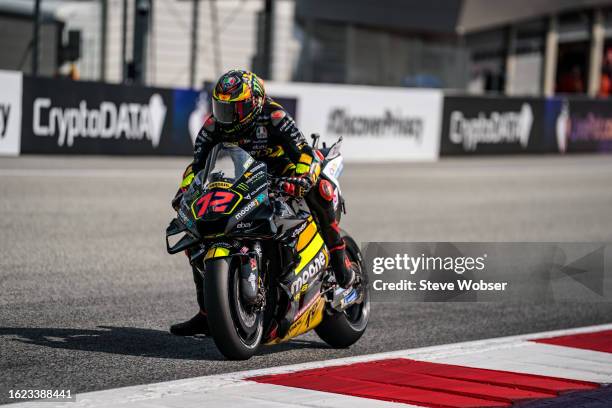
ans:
(211, 194)
(225, 164)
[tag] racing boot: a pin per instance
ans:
(343, 269)
(198, 324)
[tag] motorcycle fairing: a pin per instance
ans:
(307, 319)
(302, 282)
(217, 251)
(332, 169)
(225, 249)
(186, 241)
(313, 259)
(217, 200)
(242, 208)
(257, 223)
(307, 235)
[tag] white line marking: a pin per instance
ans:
(89, 173)
(541, 359)
(229, 390)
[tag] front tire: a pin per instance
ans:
(343, 329)
(236, 332)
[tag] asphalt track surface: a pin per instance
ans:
(87, 291)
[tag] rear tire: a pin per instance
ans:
(224, 311)
(343, 329)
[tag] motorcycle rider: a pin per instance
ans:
(243, 114)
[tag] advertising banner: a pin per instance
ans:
(579, 125)
(67, 117)
(492, 125)
(377, 124)
(10, 112)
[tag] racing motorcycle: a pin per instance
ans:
(262, 258)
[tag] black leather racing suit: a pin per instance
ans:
(275, 139)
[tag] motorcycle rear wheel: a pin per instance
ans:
(236, 332)
(343, 329)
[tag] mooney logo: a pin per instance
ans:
(107, 121)
(246, 209)
(309, 272)
(497, 128)
(5, 111)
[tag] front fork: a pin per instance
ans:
(249, 275)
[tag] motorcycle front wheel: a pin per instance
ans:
(236, 330)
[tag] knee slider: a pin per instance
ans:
(326, 190)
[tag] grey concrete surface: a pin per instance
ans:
(88, 291)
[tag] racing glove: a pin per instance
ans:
(307, 172)
(295, 186)
(188, 176)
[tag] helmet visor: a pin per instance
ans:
(223, 111)
(232, 112)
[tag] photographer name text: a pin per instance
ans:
(411, 265)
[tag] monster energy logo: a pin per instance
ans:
(242, 187)
(257, 86)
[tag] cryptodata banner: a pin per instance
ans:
(77, 117)
(488, 272)
(473, 125)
